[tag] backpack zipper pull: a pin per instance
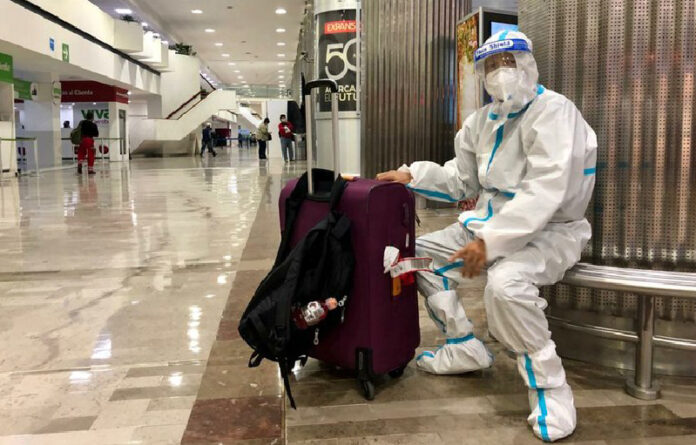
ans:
(316, 337)
(342, 305)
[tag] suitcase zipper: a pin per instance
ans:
(316, 337)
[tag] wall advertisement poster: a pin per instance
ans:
(337, 57)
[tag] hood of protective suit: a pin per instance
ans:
(511, 88)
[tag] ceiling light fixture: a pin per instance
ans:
(123, 11)
(280, 43)
(281, 11)
(231, 64)
(280, 30)
(225, 55)
(209, 30)
(281, 77)
(218, 44)
(196, 11)
(281, 63)
(237, 71)
(240, 77)
(144, 24)
(280, 55)
(166, 42)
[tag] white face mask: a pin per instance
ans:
(502, 83)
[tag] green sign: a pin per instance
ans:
(66, 52)
(100, 115)
(57, 91)
(23, 89)
(6, 70)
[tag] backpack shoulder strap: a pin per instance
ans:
(292, 209)
(337, 190)
(285, 373)
(255, 359)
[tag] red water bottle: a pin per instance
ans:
(313, 312)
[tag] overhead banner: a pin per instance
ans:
(337, 57)
(90, 91)
(6, 68)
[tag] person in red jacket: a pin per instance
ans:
(86, 149)
(285, 130)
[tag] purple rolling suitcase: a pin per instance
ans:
(380, 332)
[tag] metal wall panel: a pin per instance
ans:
(629, 66)
(408, 89)
(304, 56)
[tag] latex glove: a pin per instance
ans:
(474, 257)
(395, 176)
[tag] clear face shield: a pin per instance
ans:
(507, 69)
(495, 61)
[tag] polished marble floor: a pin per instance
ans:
(111, 293)
(120, 296)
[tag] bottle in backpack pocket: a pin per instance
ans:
(313, 312)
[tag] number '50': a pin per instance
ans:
(340, 51)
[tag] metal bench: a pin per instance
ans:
(646, 284)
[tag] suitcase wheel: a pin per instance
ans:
(368, 389)
(395, 374)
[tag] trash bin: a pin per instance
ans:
(300, 147)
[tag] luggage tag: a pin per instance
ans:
(396, 286)
(403, 270)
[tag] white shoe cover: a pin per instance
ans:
(553, 413)
(457, 356)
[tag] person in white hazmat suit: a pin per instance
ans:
(530, 158)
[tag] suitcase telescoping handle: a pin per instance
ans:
(309, 86)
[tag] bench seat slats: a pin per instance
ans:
(662, 283)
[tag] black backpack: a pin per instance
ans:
(320, 266)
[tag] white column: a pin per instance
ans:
(42, 121)
(7, 128)
(275, 108)
(154, 107)
(349, 121)
(115, 132)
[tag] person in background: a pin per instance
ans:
(240, 137)
(208, 140)
(263, 136)
(285, 131)
(66, 124)
(88, 131)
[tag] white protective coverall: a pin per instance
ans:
(531, 161)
